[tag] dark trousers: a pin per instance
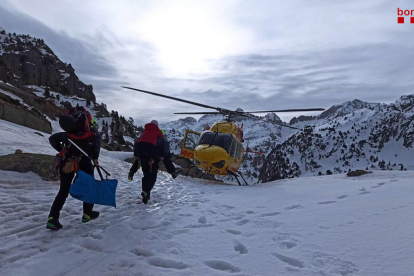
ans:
(169, 166)
(150, 173)
(65, 182)
(134, 167)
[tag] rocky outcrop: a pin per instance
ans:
(301, 118)
(25, 60)
(11, 110)
(29, 162)
(40, 104)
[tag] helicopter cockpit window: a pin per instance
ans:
(191, 141)
(240, 151)
(222, 140)
(233, 148)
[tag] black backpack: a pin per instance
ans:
(76, 121)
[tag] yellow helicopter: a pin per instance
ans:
(219, 150)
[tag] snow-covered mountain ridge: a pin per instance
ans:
(354, 135)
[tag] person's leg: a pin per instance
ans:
(60, 199)
(146, 170)
(153, 175)
(169, 164)
(134, 168)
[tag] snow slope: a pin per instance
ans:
(330, 225)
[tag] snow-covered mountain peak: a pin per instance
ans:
(343, 109)
(404, 104)
(272, 117)
(188, 120)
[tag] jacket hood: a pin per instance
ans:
(152, 127)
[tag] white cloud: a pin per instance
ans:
(249, 54)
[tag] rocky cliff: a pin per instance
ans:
(29, 61)
(13, 110)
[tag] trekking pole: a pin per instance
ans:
(99, 166)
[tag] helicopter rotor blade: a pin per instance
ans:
(287, 110)
(251, 112)
(197, 113)
(171, 98)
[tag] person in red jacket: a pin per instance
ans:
(151, 148)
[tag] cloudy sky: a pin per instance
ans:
(264, 54)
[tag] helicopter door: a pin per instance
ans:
(189, 143)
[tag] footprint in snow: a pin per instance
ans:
(222, 266)
(394, 180)
(242, 222)
(341, 196)
(202, 220)
(240, 248)
(362, 189)
(270, 214)
(234, 232)
(332, 265)
(194, 226)
(166, 263)
(185, 215)
(381, 183)
(293, 207)
(121, 264)
(327, 202)
(141, 252)
(285, 241)
(364, 192)
(228, 207)
(289, 260)
(92, 244)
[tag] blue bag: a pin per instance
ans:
(87, 189)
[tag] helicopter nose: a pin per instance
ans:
(210, 156)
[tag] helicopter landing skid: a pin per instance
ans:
(189, 169)
(192, 167)
(236, 175)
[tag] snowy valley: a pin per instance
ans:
(328, 225)
(304, 216)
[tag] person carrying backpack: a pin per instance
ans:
(76, 124)
(151, 148)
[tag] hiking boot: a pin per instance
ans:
(176, 173)
(53, 224)
(130, 177)
(87, 217)
(145, 197)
